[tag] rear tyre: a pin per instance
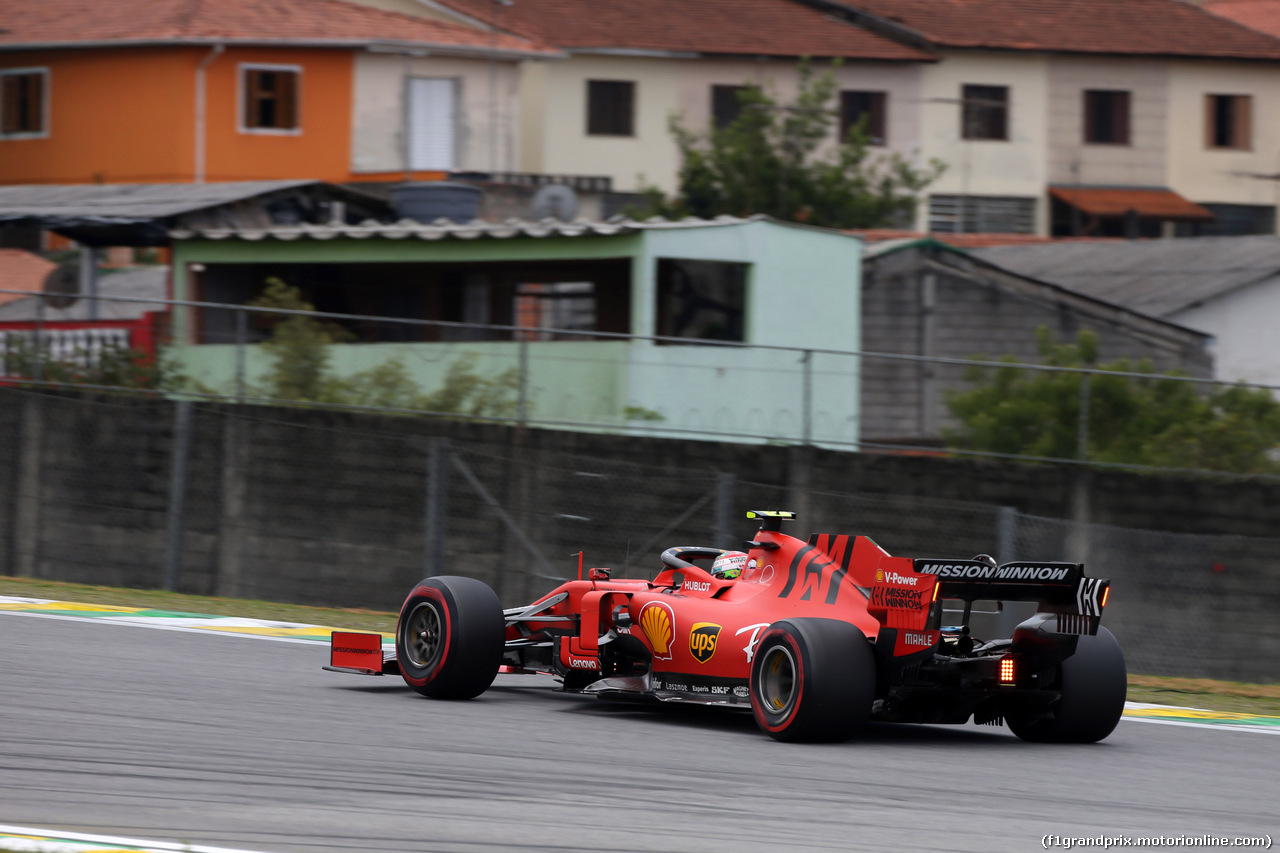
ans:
(1093, 683)
(450, 637)
(812, 680)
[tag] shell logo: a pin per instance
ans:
(658, 622)
(879, 575)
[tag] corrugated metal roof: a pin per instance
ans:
(128, 203)
(137, 282)
(1159, 277)
(444, 229)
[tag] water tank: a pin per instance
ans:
(427, 201)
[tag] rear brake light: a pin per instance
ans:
(937, 587)
(1106, 591)
(1006, 670)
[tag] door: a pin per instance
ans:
(432, 123)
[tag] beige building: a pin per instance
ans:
(605, 110)
(1102, 117)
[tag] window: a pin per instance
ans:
(984, 112)
(855, 106)
(974, 214)
(611, 108)
(725, 105)
(270, 97)
(1228, 120)
(1106, 117)
(23, 92)
(568, 305)
(701, 299)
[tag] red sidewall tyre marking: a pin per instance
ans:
(442, 605)
(763, 717)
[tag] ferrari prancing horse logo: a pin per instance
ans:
(702, 640)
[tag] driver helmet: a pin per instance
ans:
(729, 564)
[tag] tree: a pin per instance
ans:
(299, 347)
(1149, 420)
(777, 159)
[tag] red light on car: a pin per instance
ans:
(1006, 670)
(1106, 592)
(937, 587)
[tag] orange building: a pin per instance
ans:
(165, 91)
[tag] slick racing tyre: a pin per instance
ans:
(812, 680)
(1093, 683)
(450, 637)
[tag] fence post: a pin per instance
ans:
(24, 539)
(242, 336)
(522, 402)
(234, 495)
(177, 493)
(1082, 427)
(1012, 612)
(806, 430)
(38, 369)
(436, 505)
(724, 537)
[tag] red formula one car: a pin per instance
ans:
(814, 637)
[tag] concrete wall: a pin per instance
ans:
(324, 508)
(553, 106)
(487, 116)
(1142, 162)
(1222, 175)
(1242, 323)
(1017, 166)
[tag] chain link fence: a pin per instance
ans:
(343, 509)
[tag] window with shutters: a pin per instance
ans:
(1106, 117)
(976, 214)
(24, 96)
(1228, 122)
(858, 107)
(611, 108)
(270, 98)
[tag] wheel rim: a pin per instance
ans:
(777, 686)
(424, 635)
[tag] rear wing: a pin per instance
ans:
(1060, 588)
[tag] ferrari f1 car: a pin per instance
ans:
(816, 638)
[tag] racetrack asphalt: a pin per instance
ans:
(234, 742)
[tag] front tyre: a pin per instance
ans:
(812, 680)
(450, 637)
(1093, 683)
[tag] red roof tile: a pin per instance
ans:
(742, 27)
(1142, 27)
(73, 22)
(1260, 15)
(21, 270)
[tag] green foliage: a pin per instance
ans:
(113, 367)
(778, 159)
(640, 413)
(1146, 420)
(299, 349)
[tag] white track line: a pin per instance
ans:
(57, 841)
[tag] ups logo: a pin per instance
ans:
(702, 640)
